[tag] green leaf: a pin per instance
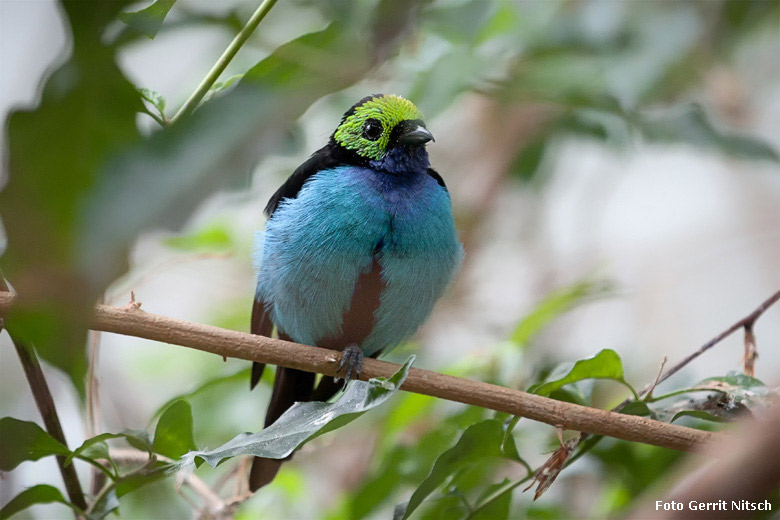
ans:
(154, 470)
(138, 439)
(24, 440)
(637, 408)
(742, 389)
(107, 503)
(219, 86)
(88, 109)
(213, 148)
(304, 421)
(241, 375)
(156, 100)
(480, 440)
(691, 124)
(94, 447)
(494, 502)
(214, 237)
(604, 365)
(556, 303)
(173, 436)
(40, 494)
(149, 20)
(408, 464)
(699, 414)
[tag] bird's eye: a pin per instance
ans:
(372, 130)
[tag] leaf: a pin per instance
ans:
(409, 464)
(480, 440)
(496, 507)
(40, 494)
(241, 375)
(691, 124)
(556, 303)
(104, 506)
(138, 439)
(219, 86)
(213, 148)
(214, 237)
(156, 100)
(24, 440)
(149, 20)
(173, 436)
(552, 467)
(604, 365)
(154, 470)
(304, 421)
(88, 109)
(637, 408)
(741, 389)
(699, 414)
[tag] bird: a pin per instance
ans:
(359, 244)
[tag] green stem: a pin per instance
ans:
(680, 392)
(628, 385)
(98, 466)
(219, 67)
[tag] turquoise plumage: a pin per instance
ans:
(317, 245)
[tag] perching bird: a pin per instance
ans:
(359, 245)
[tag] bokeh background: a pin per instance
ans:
(628, 145)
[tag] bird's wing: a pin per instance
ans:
(433, 173)
(322, 159)
(262, 326)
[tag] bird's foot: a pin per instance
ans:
(352, 359)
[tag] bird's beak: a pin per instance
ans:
(415, 135)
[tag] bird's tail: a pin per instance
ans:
(290, 386)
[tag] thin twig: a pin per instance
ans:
(132, 321)
(747, 323)
(213, 505)
(45, 403)
(751, 352)
(219, 67)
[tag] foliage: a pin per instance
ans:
(79, 194)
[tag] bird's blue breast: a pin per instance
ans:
(316, 246)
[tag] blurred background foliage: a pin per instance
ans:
(103, 195)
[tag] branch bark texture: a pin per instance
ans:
(132, 321)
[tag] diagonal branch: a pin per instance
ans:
(746, 323)
(132, 321)
(45, 403)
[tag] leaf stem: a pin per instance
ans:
(219, 67)
(680, 392)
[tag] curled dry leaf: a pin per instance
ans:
(549, 471)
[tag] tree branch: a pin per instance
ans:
(45, 403)
(132, 321)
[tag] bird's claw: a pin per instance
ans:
(352, 358)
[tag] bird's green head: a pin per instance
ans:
(379, 123)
